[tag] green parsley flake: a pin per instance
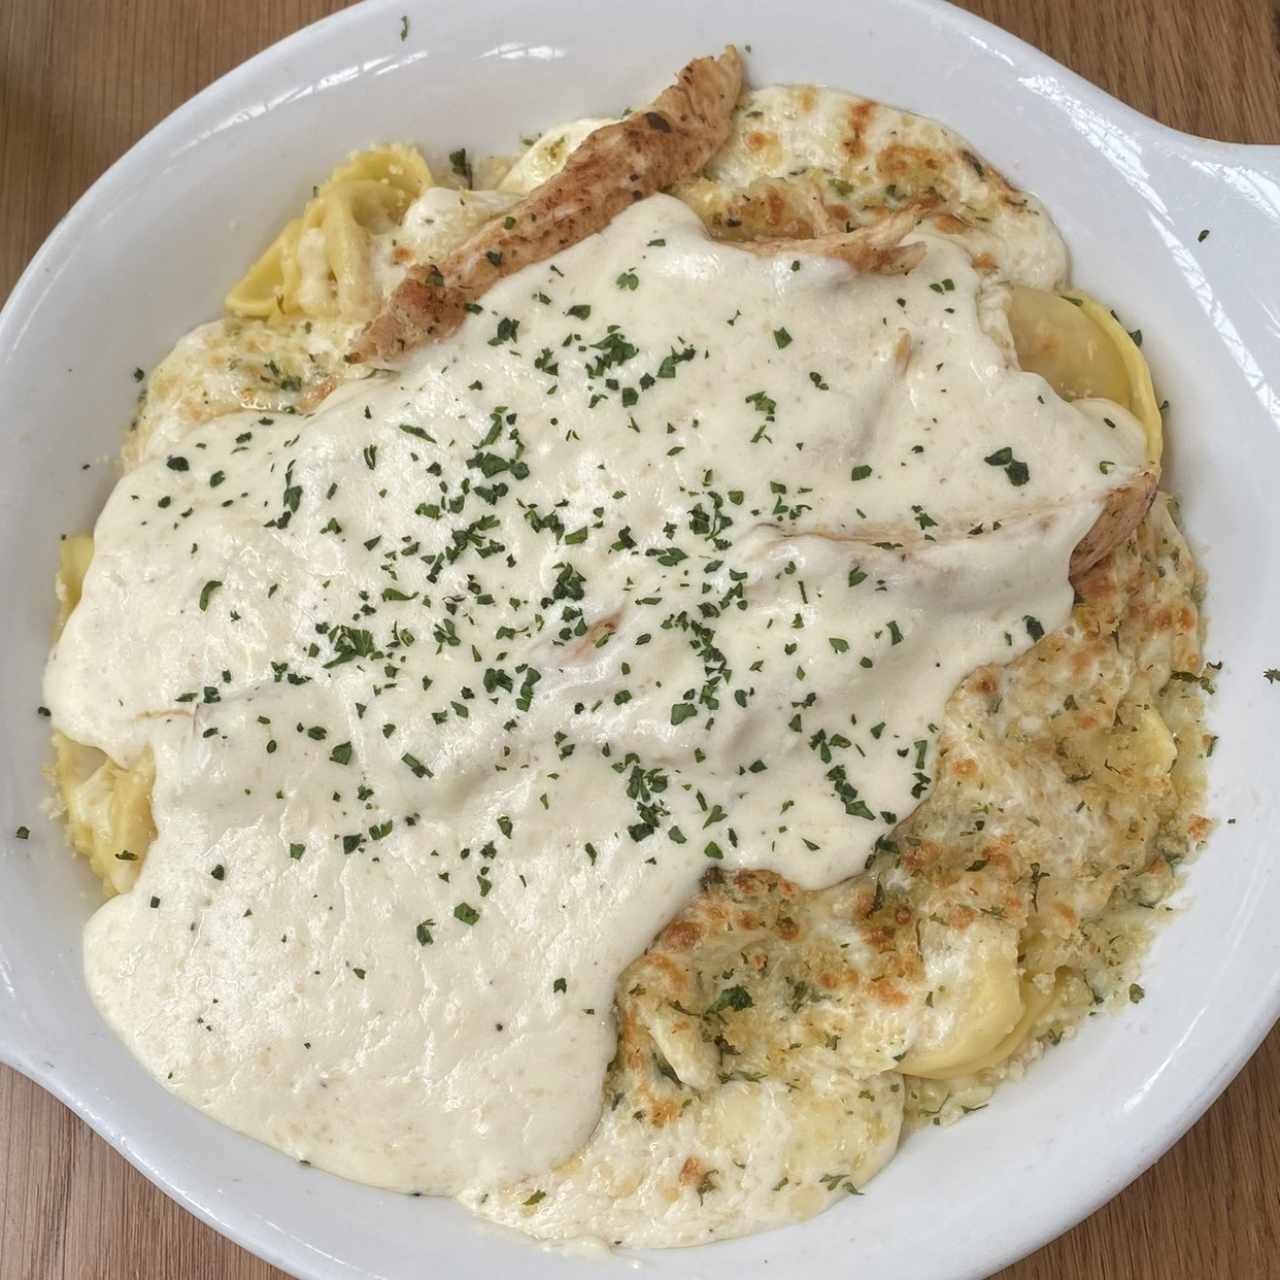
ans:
(735, 998)
(1018, 472)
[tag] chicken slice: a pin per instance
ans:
(670, 139)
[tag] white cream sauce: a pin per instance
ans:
(458, 685)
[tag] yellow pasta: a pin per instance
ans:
(74, 554)
(1035, 1004)
(1081, 350)
(319, 263)
(976, 999)
(132, 826)
(107, 809)
(1141, 401)
(1147, 750)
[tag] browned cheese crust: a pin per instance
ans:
(1062, 727)
(751, 970)
(871, 248)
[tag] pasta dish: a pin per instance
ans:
(614, 684)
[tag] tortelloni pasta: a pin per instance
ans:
(1083, 352)
(107, 809)
(320, 265)
(976, 997)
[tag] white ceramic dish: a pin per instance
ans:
(147, 253)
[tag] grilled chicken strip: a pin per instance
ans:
(670, 139)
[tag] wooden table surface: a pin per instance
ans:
(80, 80)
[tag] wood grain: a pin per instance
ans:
(79, 82)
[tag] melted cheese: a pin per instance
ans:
(547, 156)
(669, 559)
(803, 160)
(757, 1154)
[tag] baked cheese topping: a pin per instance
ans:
(668, 560)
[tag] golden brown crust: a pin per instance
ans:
(767, 208)
(875, 247)
(752, 969)
(614, 167)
